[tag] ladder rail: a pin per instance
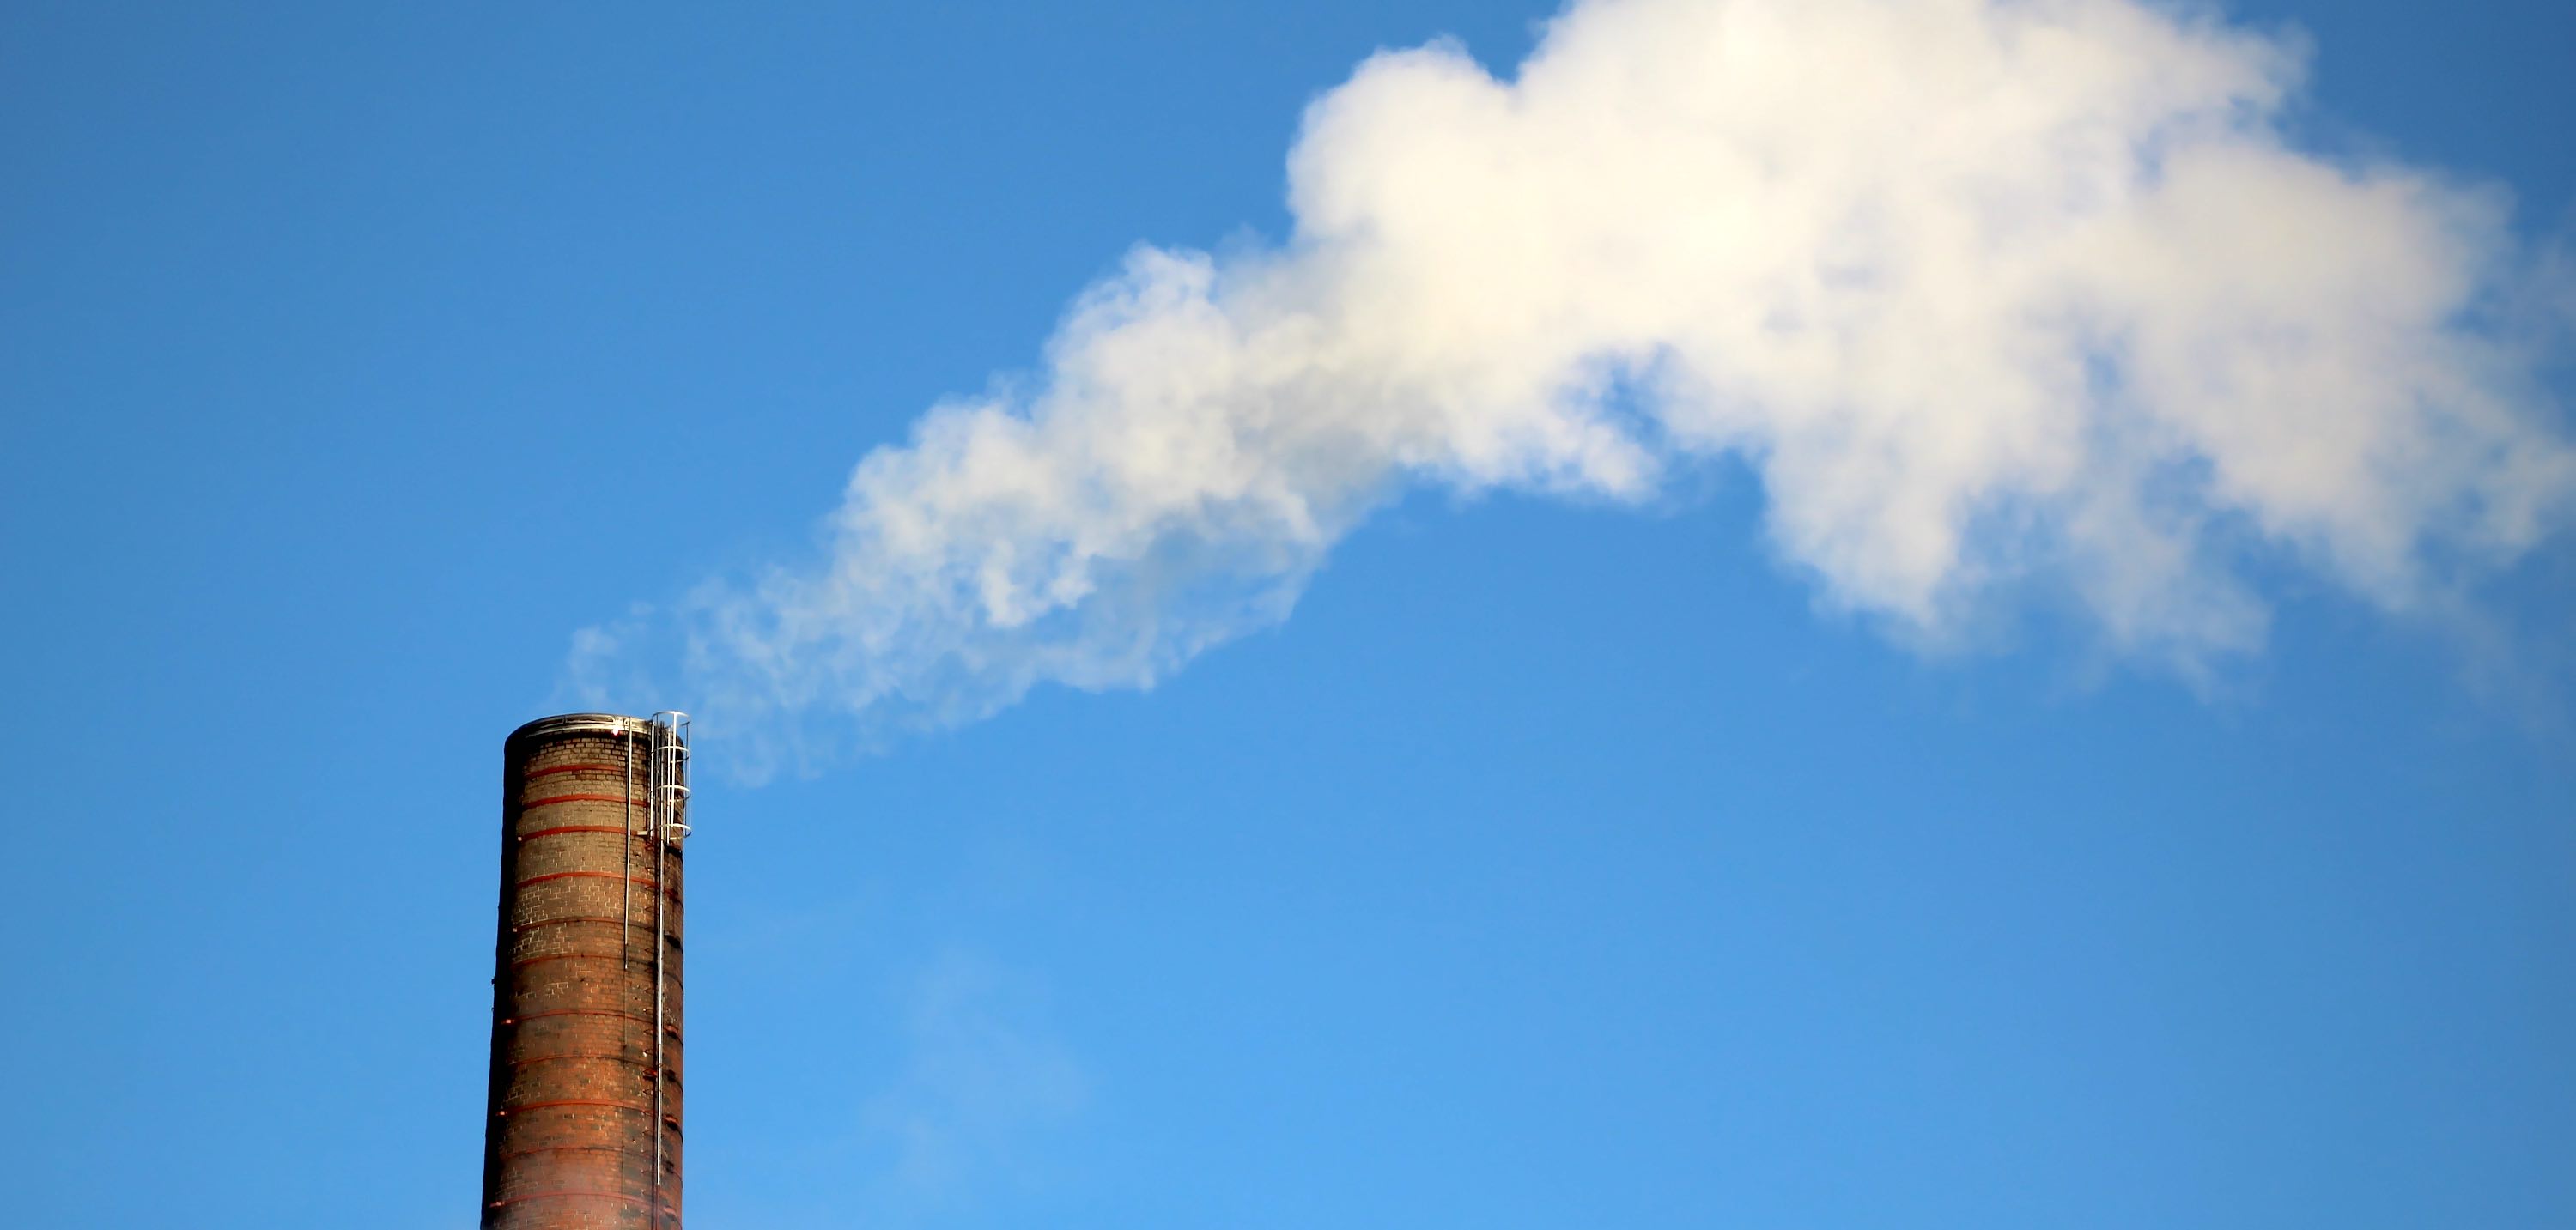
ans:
(666, 800)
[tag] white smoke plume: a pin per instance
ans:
(1989, 294)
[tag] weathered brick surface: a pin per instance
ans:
(569, 1139)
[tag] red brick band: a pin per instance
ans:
(568, 956)
(670, 1029)
(584, 798)
(635, 1200)
(576, 828)
(623, 1016)
(573, 768)
(586, 875)
(557, 922)
(521, 1063)
(518, 1153)
(506, 1111)
(667, 1078)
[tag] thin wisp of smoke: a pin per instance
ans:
(1986, 293)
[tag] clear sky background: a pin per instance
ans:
(1550, 868)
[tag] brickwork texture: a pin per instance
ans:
(569, 1139)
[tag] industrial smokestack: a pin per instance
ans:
(583, 1125)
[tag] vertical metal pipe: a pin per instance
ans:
(661, 1080)
(657, 817)
(626, 878)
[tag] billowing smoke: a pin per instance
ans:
(1989, 294)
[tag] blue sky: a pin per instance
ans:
(1553, 866)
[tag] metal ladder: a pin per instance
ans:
(666, 807)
